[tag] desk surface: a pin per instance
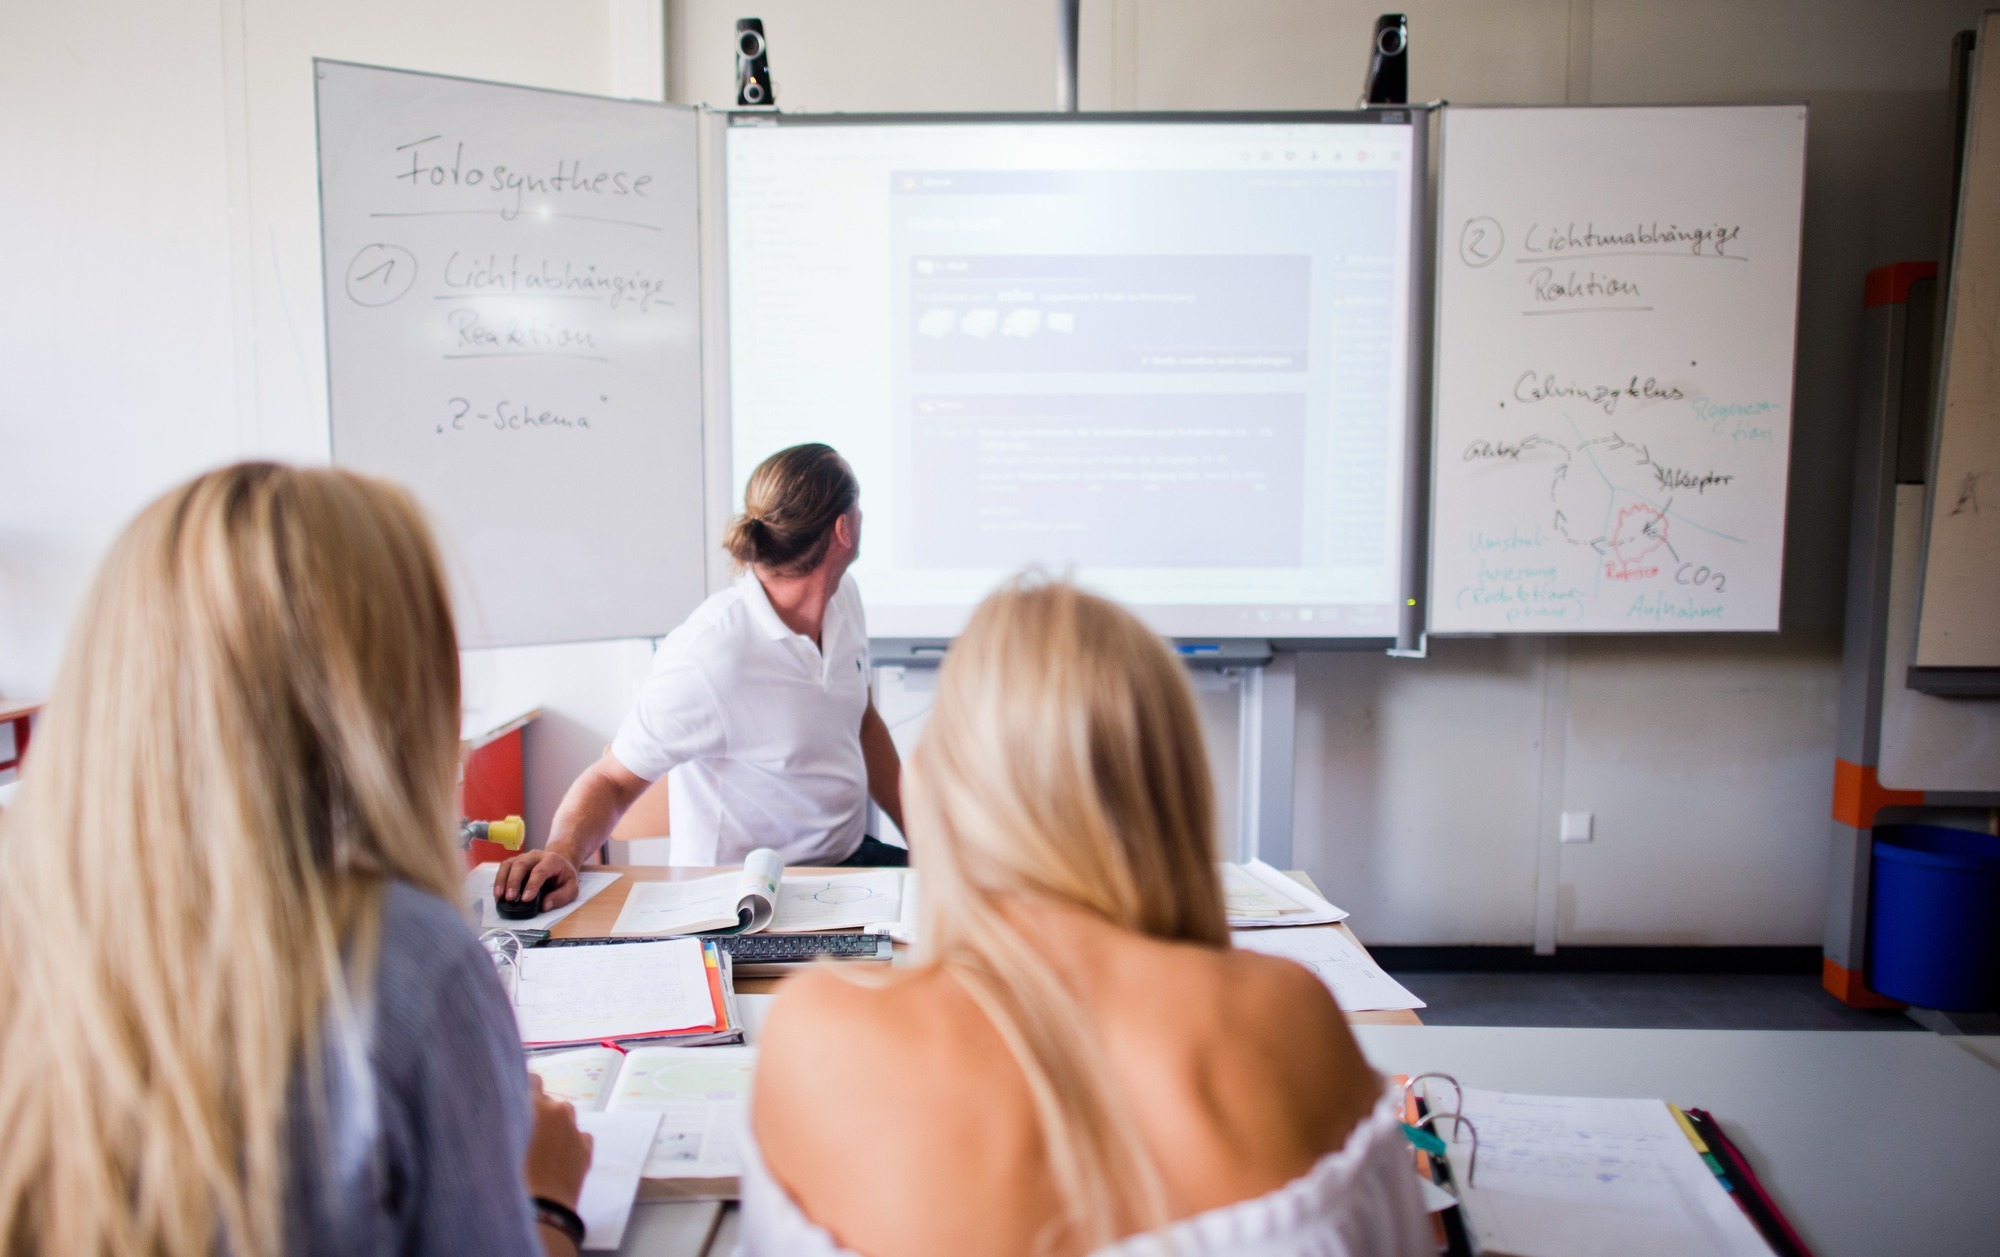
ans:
(595, 919)
(1872, 1141)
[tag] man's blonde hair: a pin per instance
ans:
(1063, 762)
(254, 727)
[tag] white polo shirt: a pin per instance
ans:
(757, 730)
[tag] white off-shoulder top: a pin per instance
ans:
(1360, 1200)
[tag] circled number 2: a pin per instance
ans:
(1480, 241)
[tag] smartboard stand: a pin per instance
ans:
(1266, 741)
(1266, 728)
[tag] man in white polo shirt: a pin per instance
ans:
(757, 710)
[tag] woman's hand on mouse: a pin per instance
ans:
(558, 1153)
(543, 874)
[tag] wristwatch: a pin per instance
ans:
(552, 1213)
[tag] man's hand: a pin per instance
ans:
(523, 877)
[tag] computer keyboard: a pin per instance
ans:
(767, 949)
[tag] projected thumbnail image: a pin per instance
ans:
(1044, 315)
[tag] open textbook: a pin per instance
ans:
(700, 1095)
(761, 897)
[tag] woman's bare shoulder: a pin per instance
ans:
(833, 1046)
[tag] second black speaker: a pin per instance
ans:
(753, 64)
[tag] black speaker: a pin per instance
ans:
(1389, 62)
(753, 64)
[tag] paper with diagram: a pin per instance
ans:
(1613, 402)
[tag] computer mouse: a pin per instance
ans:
(520, 909)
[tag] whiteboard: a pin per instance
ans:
(1959, 616)
(1617, 298)
(513, 332)
(1928, 743)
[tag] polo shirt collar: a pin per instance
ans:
(761, 611)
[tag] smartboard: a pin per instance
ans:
(1958, 625)
(512, 320)
(1616, 305)
(1171, 355)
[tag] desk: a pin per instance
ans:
(595, 919)
(1872, 1142)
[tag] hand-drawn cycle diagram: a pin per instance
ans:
(1611, 496)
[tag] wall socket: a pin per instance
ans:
(1577, 827)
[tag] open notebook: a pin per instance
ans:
(700, 1094)
(761, 897)
(1571, 1176)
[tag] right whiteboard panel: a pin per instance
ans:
(1617, 299)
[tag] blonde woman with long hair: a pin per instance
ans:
(1082, 1064)
(238, 1011)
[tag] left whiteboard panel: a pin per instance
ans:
(513, 333)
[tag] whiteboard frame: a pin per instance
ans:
(1798, 275)
(1412, 573)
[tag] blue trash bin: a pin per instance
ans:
(1934, 917)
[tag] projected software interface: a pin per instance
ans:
(1170, 358)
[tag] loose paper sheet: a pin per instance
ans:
(585, 994)
(1357, 982)
(904, 928)
(605, 1205)
(838, 901)
(479, 892)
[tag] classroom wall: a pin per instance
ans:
(1428, 791)
(166, 318)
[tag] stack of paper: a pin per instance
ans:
(1255, 894)
(677, 988)
(1358, 984)
(1565, 1176)
(698, 1096)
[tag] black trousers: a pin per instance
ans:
(873, 853)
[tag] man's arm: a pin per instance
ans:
(592, 806)
(885, 767)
